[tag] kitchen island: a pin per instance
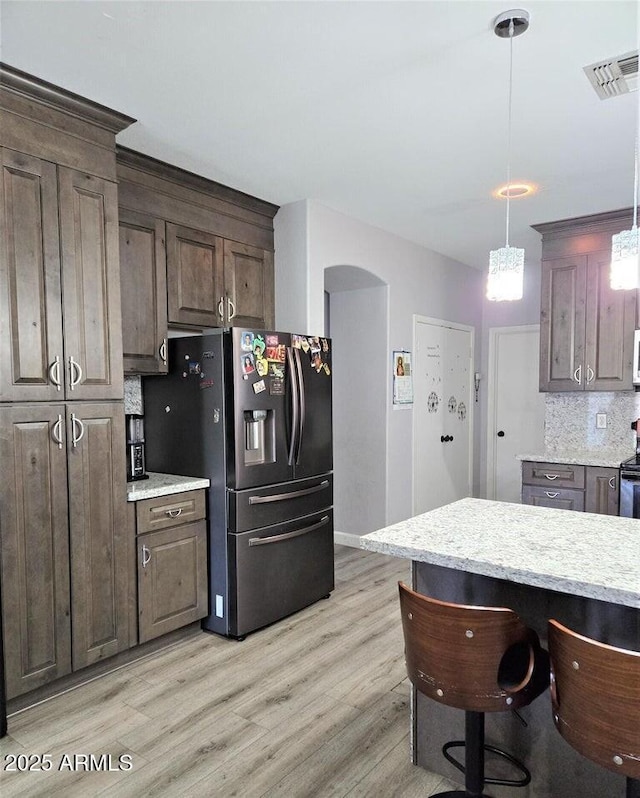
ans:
(580, 568)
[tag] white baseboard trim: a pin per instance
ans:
(346, 539)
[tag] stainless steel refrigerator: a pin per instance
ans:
(251, 411)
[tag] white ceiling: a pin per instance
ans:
(394, 113)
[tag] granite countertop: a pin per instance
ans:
(607, 458)
(596, 556)
(163, 485)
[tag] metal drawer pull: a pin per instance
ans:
(75, 439)
(232, 308)
(551, 476)
(279, 497)
(221, 307)
(612, 483)
(174, 513)
(75, 370)
(163, 351)
(146, 556)
(551, 495)
(54, 372)
(288, 535)
(57, 431)
(590, 374)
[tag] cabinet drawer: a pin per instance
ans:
(555, 474)
(166, 511)
(560, 498)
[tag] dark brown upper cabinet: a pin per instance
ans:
(143, 288)
(249, 286)
(586, 328)
(60, 331)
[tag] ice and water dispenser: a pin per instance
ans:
(258, 437)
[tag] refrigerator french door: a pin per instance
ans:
(251, 411)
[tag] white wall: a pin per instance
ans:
(359, 411)
(291, 284)
(419, 282)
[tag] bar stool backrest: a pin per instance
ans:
(595, 693)
(480, 659)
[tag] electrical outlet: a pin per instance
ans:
(601, 420)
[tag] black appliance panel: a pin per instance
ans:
(280, 570)
(259, 507)
(630, 488)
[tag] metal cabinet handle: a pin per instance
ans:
(174, 513)
(75, 439)
(146, 555)
(231, 309)
(75, 370)
(163, 351)
(221, 307)
(577, 375)
(612, 483)
(54, 372)
(551, 495)
(590, 374)
(551, 476)
(57, 432)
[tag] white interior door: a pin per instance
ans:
(516, 408)
(442, 413)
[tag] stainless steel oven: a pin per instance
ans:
(630, 488)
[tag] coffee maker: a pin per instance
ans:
(135, 447)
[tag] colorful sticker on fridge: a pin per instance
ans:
(326, 368)
(248, 364)
(276, 370)
(258, 345)
(262, 367)
(246, 342)
(276, 353)
(272, 340)
(304, 344)
(194, 367)
(205, 384)
(296, 341)
(316, 361)
(276, 386)
(325, 344)
(259, 387)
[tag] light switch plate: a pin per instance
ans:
(601, 420)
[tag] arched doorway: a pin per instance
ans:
(357, 321)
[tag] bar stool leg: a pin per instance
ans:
(474, 753)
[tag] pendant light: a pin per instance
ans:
(506, 265)
(625, 263)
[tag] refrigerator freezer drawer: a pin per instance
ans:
(277, 571)
(260, 507)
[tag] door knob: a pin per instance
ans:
(501, 434)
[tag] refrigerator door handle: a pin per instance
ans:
(302, 403)
(295, 405)
(288, 535)
(279, 497)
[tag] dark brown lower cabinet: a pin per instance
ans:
(591, 489)
(172, 563)
(62, 525)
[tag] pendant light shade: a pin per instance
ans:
(625, 260)
(505, 280)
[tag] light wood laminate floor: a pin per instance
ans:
(315, 705)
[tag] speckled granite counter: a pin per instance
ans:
(580, 568)
(163, 485)
(595, 556)
(607, 458)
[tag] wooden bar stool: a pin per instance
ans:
(479, 659)
(595, 694)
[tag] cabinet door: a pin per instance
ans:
(143, 288)
(610, 323)
(561, 499)
(97, 524)
(91, 286)
(172, 578)
(31, 355)
(562, 324)
(35, 546)
(248, 281)
(603, 490)
(194, 277)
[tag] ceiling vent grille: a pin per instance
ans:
(614, 76)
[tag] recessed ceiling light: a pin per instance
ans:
(515, 190)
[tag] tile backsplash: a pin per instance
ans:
(133, 395)
(570, 421)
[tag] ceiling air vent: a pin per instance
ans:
(614, 76)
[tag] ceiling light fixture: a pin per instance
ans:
(625, 263)
(506, 265)
(514, 191)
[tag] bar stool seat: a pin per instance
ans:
(595, 695)
(478, 659)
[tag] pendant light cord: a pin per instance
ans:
(511, 31)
